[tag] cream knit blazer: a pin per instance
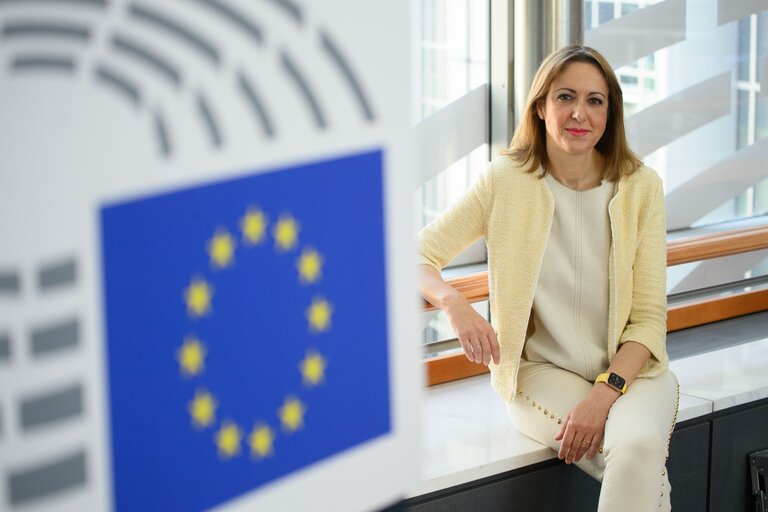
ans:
(513, 210)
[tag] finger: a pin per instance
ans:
(583, 447)
(567, 442)
(467, 347)
(560, 434)
(595, 446)
(477, 353)
(573, 450)
(486, 346)
(495, 349)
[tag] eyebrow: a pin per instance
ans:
(573, 91)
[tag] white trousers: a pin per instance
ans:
(635, 447)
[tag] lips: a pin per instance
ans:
(577, 132)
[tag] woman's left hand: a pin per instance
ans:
(583, 428)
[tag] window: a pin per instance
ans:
(706, 85)
(452, 54)
(453, 60)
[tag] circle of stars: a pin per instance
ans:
(221, 248)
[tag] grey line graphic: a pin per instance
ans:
(49, 478)
(162, 134)
(46, 29)
(59, 274)
(55, 63)
(247, 89)
(341, 63)
(55, 338)
(290, 8)
(10, 284)
(205, 112)
(303, 87)
(88, 3)
(125, 87)
(52, 407)
(127, 46)
(235, 17)
(5, 347)
(182, 33)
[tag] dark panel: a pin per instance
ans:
(63, 273)
(397, 507)
(52, 407)
(554, 488)
(688, 467)
(50, 478)
(734, 436)
(717, 335)
(55, 338)
(9, 283)
(5, 347)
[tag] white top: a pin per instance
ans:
(570, 308)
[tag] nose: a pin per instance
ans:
(578, 112)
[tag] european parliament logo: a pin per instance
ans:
(246, 330)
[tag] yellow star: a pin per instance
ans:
(221, 248)
(319, 315)
(286, 233)
(292, 414)
(260, 440)
(228, 439)
(253, 225)
(310, 265)
(198, 297)
(313, 368)
(202, 408)
(191, 356)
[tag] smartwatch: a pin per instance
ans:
(615, 381)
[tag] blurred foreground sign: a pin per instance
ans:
(206, 282)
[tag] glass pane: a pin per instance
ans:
(705, 122)
(587, 14)
(628, 7)
(454, 49)
(447, 187)
(606, 12)
(694, 102)
(742, 56)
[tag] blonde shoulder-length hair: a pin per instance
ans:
(529, 147)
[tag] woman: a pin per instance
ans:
(575, 230)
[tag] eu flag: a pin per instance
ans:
(246, 328)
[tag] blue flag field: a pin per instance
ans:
(246, 326)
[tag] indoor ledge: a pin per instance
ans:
(468, 436)
(727, 377)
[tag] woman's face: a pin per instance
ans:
(575, 110)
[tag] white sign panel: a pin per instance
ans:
(205, 261)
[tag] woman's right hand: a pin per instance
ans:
(476, 335)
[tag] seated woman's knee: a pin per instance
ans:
(637, 446)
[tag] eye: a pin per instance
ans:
(596, 101)
(564, 97)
